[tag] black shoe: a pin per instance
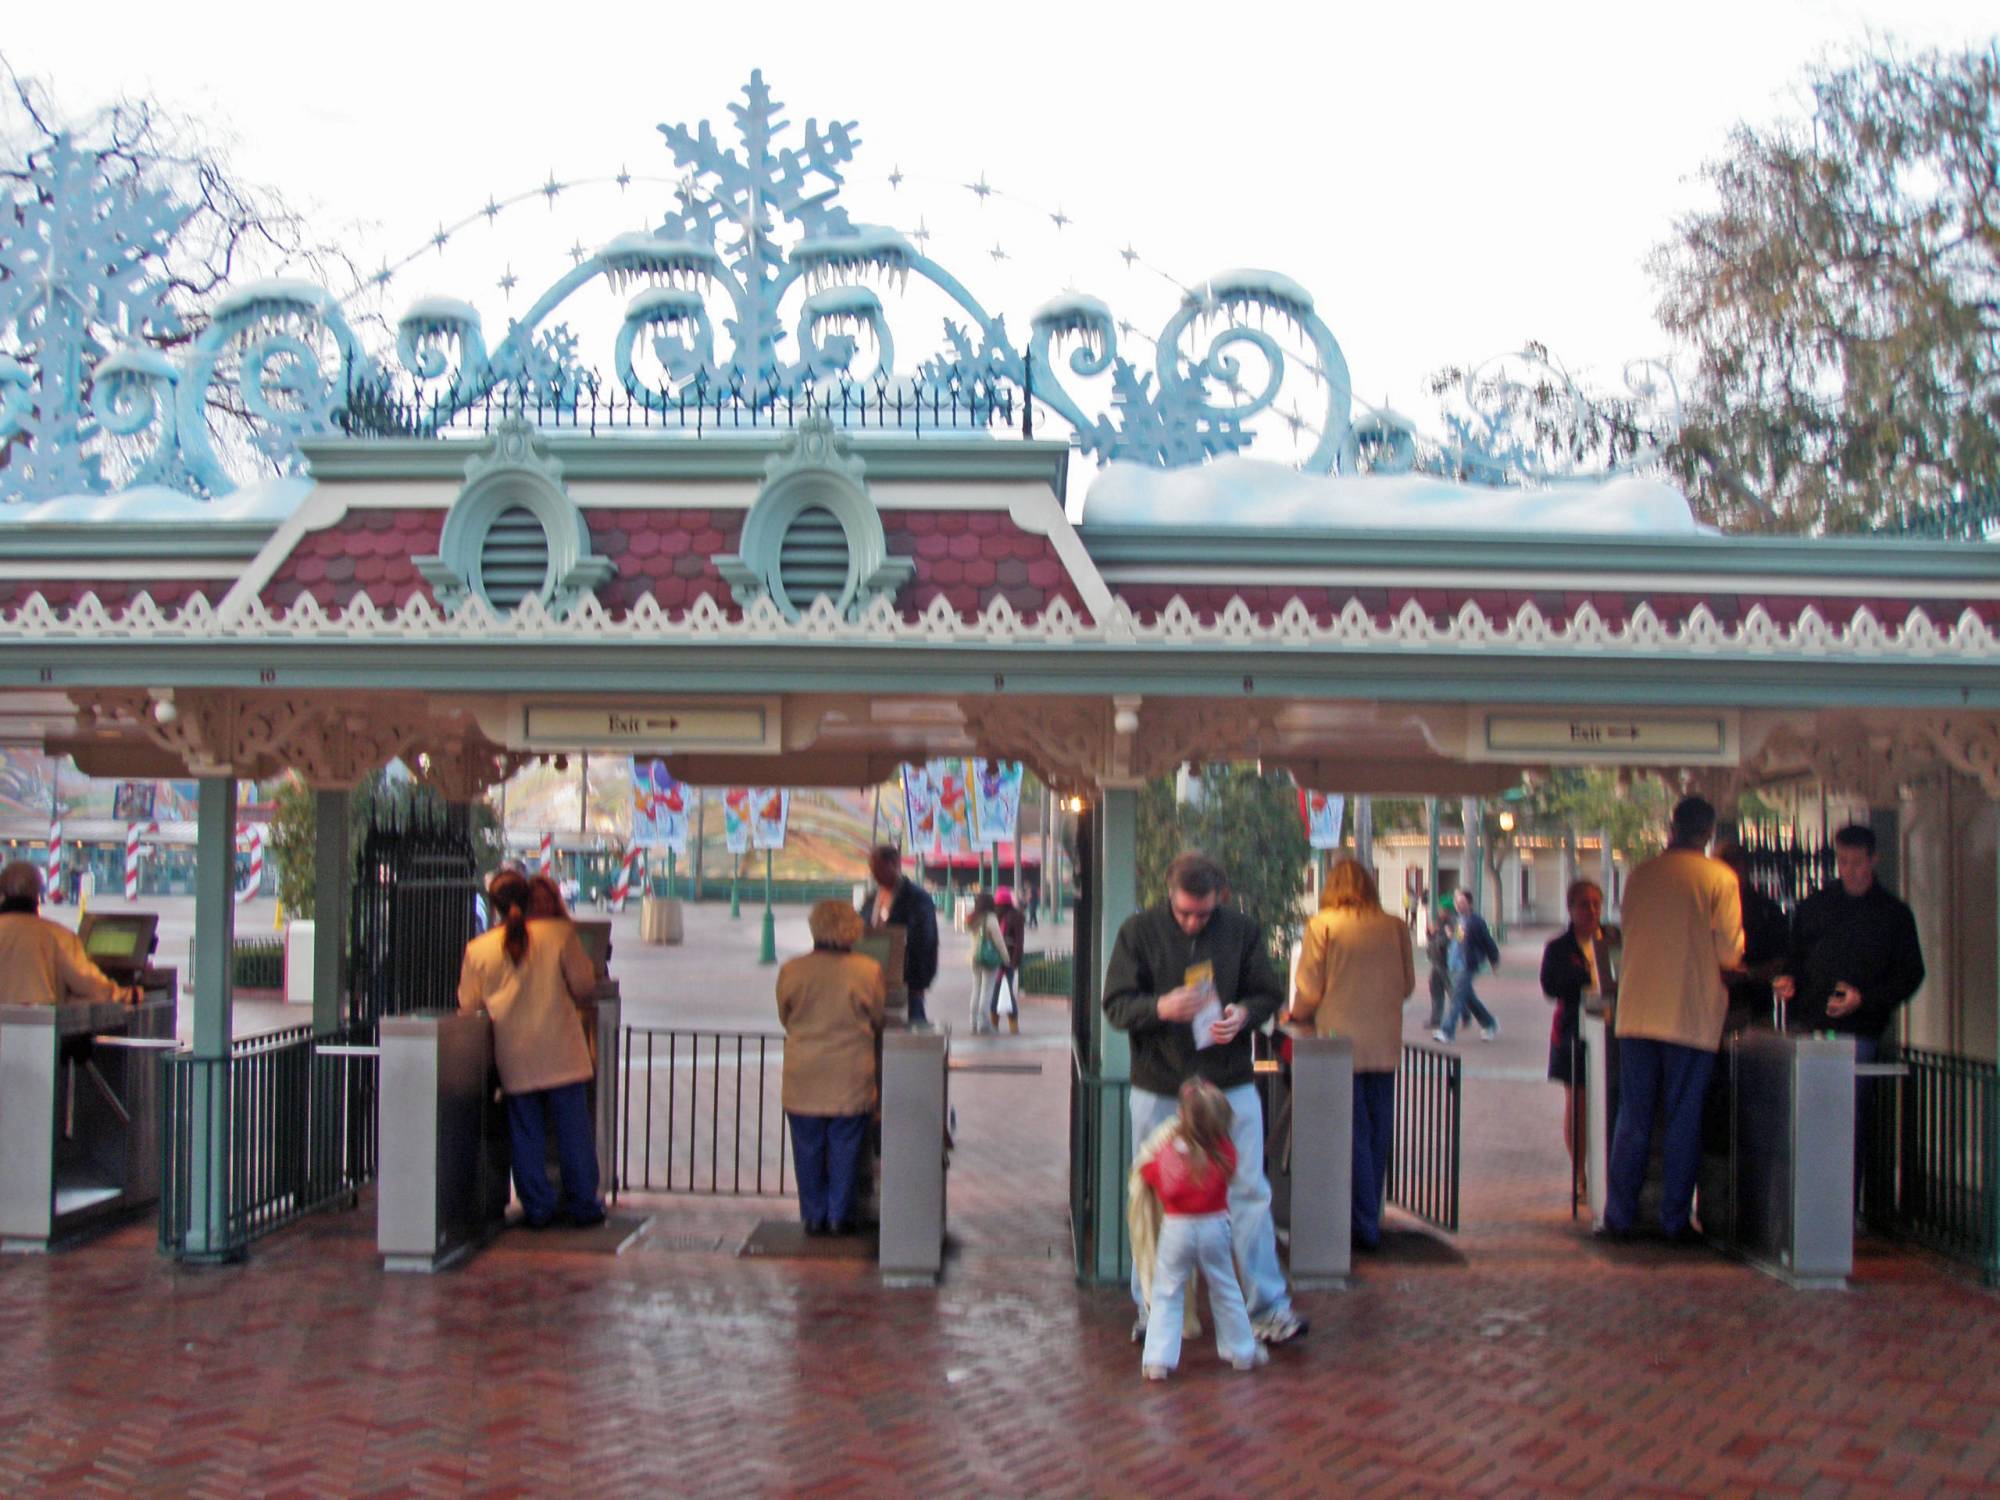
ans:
(586, 1220)
(1687, 1237)
(1605, 1234)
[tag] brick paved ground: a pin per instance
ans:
(1517, 1359)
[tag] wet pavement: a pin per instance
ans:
(1515, 1358)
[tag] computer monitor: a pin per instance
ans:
(120, 943)
(596, 939)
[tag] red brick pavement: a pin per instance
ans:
(1517, 1360)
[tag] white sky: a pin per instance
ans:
(1448, 180)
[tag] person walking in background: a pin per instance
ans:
(1683, 929)
(1578, 967)
(989, 962)
(1355, 971)
(898, 901)
(1188, 1164)
(528, 973)
(1014, 923)
(1190, 962)
(1437, 950)
(830, 1002)
(1472, 949)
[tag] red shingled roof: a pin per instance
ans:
(365, 552)
(113, 593)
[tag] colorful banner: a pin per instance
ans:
(1323, 812)
(954, 815)
(919, 811)
(768, 807)
(659, 807)
(996, 801)
(736, 819)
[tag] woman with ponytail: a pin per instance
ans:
(527, 972)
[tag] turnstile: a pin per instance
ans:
(1789, 1208)
(914, 1115)
(79, 1114)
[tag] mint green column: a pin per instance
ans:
(1114, 878)
(214, 989)
(333, 880)
(767, 948)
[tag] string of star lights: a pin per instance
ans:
(1064, 226)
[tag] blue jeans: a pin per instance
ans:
(826, 1151)
(1374, 1136)
(1464, 1002)
(568, 1108)
(1650, 1072)
(1250, 1227)
(1188, 1241)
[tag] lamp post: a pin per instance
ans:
(767, 952)
(1502, 843)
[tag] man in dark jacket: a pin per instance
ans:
(901, 902)
(1192, 959)
(1854, 960)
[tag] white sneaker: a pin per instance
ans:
(1279, 1327)
(1161, 1372)
(1439, 1036)
(1489, 1033)
(1259, 1357)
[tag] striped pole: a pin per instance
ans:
(253, 835)
(621, 888)
(54, 881)
(135, 851)
(548, 854)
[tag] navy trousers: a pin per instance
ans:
(826, 1152)
(1651, 1073)
(1374, 1137)
(576, 1152)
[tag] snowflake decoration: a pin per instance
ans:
(80, 258)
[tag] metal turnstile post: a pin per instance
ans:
(913, 1158)
(1322, 1145)
(1792, 1156)
(442, 1180)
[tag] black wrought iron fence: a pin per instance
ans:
(277, 1128)
(1787, 863)
(1933, 1171)
(701, 1112)
(416, 903)
(703, 407)
(1099, 1109)
(1424, 1162)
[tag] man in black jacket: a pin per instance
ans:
(900, 901)
(1173, 964)
(1854, 960)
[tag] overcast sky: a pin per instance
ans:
(1447, 180)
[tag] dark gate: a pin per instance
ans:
(1423, 1164)
(416, 901)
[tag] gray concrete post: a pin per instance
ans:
(913, 1163)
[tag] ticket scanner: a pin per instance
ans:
(79, 1106)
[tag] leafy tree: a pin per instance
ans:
(1248, 820)
(1841, 303)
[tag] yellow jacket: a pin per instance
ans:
(42, 963)
(1355, 972)
(537, 1033)
(1683, 921)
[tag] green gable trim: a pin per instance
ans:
(224, 541)
(1402, 552)
(676, 457)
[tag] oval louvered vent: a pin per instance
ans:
(812, 560)
(514, 560)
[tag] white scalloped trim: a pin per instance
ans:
(1176, 626)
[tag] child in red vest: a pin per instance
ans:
(1191, 1163)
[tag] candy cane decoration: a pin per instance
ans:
(548, 854)
(55, 859)
(134, 850)
(253, 835)
(622, 886)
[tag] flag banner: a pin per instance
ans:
(659, 807)
(954, 831)
(736, 819)
(768, 807)
(1323, 812)
(919, 811)
(133, 801)
(996, 801)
